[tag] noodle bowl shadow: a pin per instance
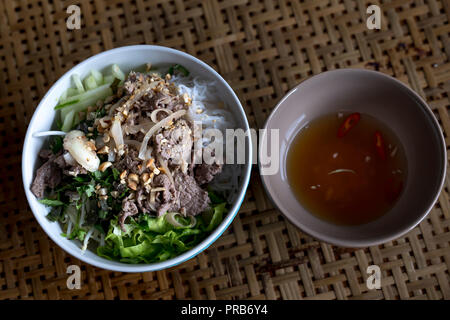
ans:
(127, 58)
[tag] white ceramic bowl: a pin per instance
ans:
(393, 103)
(127, 58)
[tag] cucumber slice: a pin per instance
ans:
(89, 98)
(97, 76)
(77, 81)
(90, 83)
(108, 79)
(117, 73)
(68, 121)
(71, 92)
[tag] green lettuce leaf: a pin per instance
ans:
(153, 239)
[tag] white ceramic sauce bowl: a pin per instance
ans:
(391, 102)
(127, 58)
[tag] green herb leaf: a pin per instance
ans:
(51, 202)
(88, 189)
(150, 239)
(180, 68)
(56, 144)
(116, 173)
(215, 198)
(102, 214)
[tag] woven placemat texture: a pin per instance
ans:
(262, 48)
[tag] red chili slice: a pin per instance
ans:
(348, 123)
(379, 144)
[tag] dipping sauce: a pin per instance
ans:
(348, 169)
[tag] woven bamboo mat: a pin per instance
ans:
(263, 48)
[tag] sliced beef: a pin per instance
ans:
(46, 154)
(60, 162)
(204, 173)
(175, 144)
(165, 200)
(142, 201)
(133, 82)
(129, 162)
(74, 170)
(192, 199)
(151, 101)
(129, 208)
(187, 197)
(48, 175)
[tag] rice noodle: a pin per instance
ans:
(86, 239)
(207, 107)
(69, 228)
(148, 154)
(156, 127)
(156, 111)
(83, 211)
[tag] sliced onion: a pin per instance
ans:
(155, 128)
(156, 111)
(342, 170)
(114, 106)
(69, 228)
(170, 218)
(111, 155)
(133, 129)
(116, 133)
(69, 159)
(148, 154)
(152, 198)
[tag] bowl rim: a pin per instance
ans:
(120, 266)
(371, 241)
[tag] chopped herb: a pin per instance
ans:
(215, 198)
(102, 214)
(81, 178)
(97, 174)
(100, 228)
(116, 173)
(100, 113)
(180, 68)
(59, 124)
(51, 202)
(56, 144)
(88, 189)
